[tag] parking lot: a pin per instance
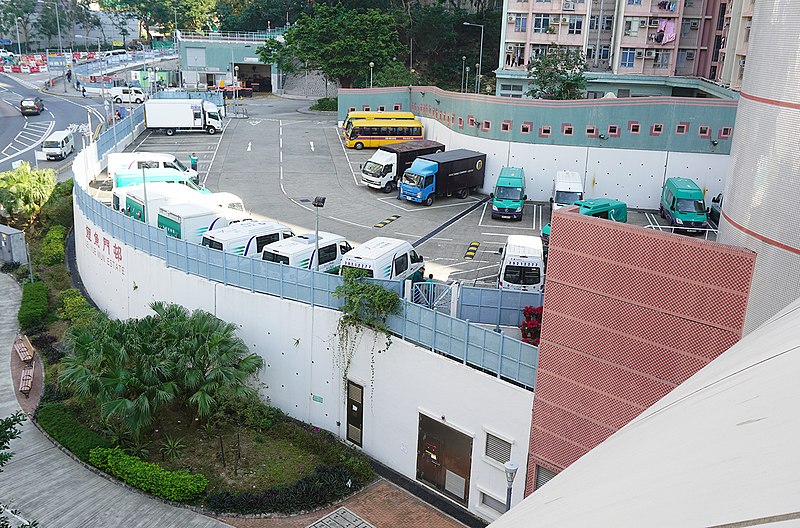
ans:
(278, 159)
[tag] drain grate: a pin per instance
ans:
(341, 518)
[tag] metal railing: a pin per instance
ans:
(495, 306)
(230, 36)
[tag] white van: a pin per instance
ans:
(225, 200)
(299, 251)
(567, 189)
(522, 265)
(117, 53)
(385, 258)
(192, 220)
(59, 145)
(125, 94)
(127, 162)
(247, 239)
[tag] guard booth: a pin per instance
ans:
(12, 245)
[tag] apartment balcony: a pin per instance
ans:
(665, 7)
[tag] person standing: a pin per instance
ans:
(193, 161)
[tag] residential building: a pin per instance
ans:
(735, 39)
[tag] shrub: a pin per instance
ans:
(326, 104)
(58, 209)
(53, 392)
(75, 308)
(9, 267)
(52, 250)
(149, 477)
(48, 348)
(68, 431)
(33, 310)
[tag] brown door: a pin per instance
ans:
(429, 461)
(444, 458)
(355, 412)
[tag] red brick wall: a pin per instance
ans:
(629, 313)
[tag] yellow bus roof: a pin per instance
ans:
(364, 114)
(385, 122)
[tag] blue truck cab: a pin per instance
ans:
(454, 172)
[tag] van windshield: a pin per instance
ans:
(686, 205)
(178, 165)
(508, 193)
(213, 244)
(274, 257)
(568, 197)
(523, 275)
(373, 168)
(52, 144)
(412, 179)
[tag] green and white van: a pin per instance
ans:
(300, 251)
(607, 208)
(158, 196)
(156, 176)
(385, 258)
(190, 221)
(683, 204)
(247, 239)
(508, 198)
(523, 264)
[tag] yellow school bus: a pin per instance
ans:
(373, 133)
(358, 114)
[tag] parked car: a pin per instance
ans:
(31, 105)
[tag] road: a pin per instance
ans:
(21, 135)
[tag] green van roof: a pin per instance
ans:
(683, 183)
(511, 172)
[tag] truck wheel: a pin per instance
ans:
(138, 101)
(463, 193)
(429, 200)
(389, 187)
(118, 100)
(359, 146)
(211, 130)
(169, 131)
(661, 211)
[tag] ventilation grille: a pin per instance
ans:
(497, 449)
(354, 434)
(355, 392)
(543, 476)
(455, 484)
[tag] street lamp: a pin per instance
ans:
(16, 25)
(318, 203)
(511, 472)
(477, 77)
(463, 62)
(466, 82)
(58, 25)
(480, 58)
(371, 65)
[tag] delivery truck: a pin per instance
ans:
(443, 174)
(171, 115)
(190, 221)
(389, 162)
(567, 189)
(247, 239)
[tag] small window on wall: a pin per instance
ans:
(497, 449)
(545, 131)
(543, 476)
(634, 127)
(613, 130)
(381, 108)
(526, 127)
(460, 122)
(704, 131)
(567, 130)
(351, 109)
(505, 126)
(486, 126)
(725, 133)
(366, 108)
(591, 130)
(397, 107)
(656, 129)
(470, 121)
(681, 128)
(491, 502)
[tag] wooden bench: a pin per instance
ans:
(24, 350)
(26, 381)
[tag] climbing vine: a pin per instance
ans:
(367, 304)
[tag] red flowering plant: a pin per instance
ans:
(531, 327)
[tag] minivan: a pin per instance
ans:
(126, 94)
(247, 239)
(300, 251)
(156, 175)
(59, 145)
(115, 53)
(508, 198)
(683, 204)
(523, 261)
(128, 162)
(385, 258)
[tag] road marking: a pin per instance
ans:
(475, 269)
(52, 125)
(347, 157)
(249, 146)
(473, 247)
(216, 148)
(384, 223)
(312, 146)
(419, 208)
(495, 234)
(345, 221)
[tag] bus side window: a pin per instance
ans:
(417, 131)
(384, 131)
(356, 132)
(393, 131)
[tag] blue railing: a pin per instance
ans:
(105, 141)
(214, 97)
(495, 306)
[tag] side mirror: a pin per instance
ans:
(360, 166)
(491, 195)
(500, 251)
(524, 196)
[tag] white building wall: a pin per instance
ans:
(633, 176)
(299, 345)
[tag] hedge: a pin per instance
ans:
(52, 250)
(58, 209)
(68, 431)
(149, 477)
(75, 308)
(33, 310)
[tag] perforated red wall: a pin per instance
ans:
(629, 313)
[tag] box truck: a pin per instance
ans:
(522, 265)
(389, 162)
(508, 198)
(567, 189)
(300, 251)
(385, 258)
(443, 174)
(133, 162)
(158, 195)
(191, 220)
(247, 239)
(171, 115)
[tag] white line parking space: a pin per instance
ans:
(31, 135)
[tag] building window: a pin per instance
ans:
(548, 1)
(613, 130)
(605, 52)
(608, 22)
(623, 92)
(545, 131)
(381, 108)
(397, 107)
(497, 449)
(460, 122)
(543, 475)
(627, 57)
(351, 109)
(704, 131)
(632, 26)
(505, 126)
(489, 501)
(634, 127)
(486, 126)
(591, 131)
(515, 54)
(537, 50)
(681, 128)
(589, 53)
(365, 108)
(725, 133)
(521, 23)
(634, 2)
(662, 59)
(593, 22)
(470, 121)
(567, 129)
(656, 129)
(575, 24)
(540, 23)
(526, 127)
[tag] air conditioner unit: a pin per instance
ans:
(694, 24)
(639, 53)
(690, 55)
(653, 22)
(564, 20)
(650, 54)
(569, 6)
(643, 22)
(509, 48)
(511, 19)
(741, 62)
(556, 21)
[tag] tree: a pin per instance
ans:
(24, 10)
(253, 15)
(558, 74)
(342, 42)
(23, 192)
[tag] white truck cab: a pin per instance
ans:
(300, 251)
(523, 264)
(567, 189)
(385, 258)
(247, 239)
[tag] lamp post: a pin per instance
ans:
(479, 71)
(371, 65)
(511, 472)
(477, 78)
(463, 63)
(16, 25)
(466, 82)
(318, 203)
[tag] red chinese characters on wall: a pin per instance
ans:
(102, 248)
